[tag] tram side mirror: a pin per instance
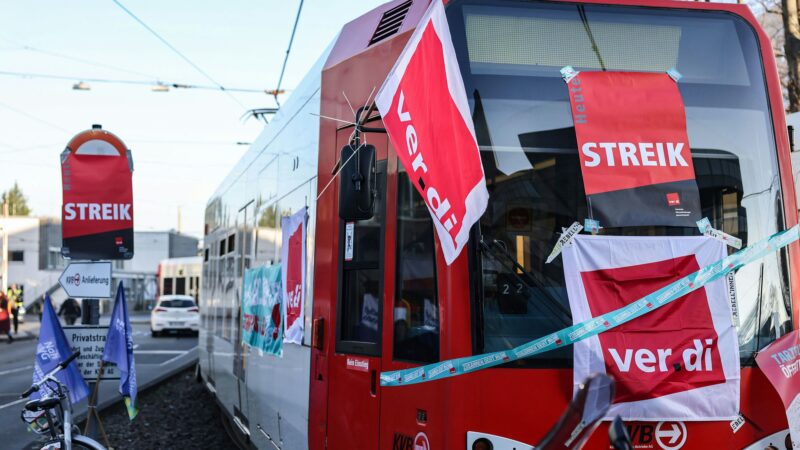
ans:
(357, 182)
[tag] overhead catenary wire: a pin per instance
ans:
(32, 117)
(178, 52)
(26, 47)
(288, 50)
(135, 82)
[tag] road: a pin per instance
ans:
(155, 357)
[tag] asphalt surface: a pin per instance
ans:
(156, 359)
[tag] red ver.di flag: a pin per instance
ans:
(97, 207)
(780, 362)
(426, 114)
(293, 258)
(633, 149)
(668, 363)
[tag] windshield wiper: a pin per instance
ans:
(529, 280)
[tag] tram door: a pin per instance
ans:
(244, 232)
(354, 369)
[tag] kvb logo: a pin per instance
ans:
(673, 349)
(421, 442)
(671, 435)
(404, 442)
(76, 279)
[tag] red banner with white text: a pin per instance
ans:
(293, 258)
(634, 149)
(668, 363)
(426, 114)
(97, 206)
(780, 362)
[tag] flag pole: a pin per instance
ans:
(93, 406)
(93, 399)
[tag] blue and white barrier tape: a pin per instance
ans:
(596, 325)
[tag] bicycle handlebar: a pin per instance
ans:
(62, 365)
(30, 391)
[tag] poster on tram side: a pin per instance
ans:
(668, 362)
(427, 117)
(780, 362)
(634, 149)
(293, 259)
(262, 309)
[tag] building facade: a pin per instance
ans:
(34, 261)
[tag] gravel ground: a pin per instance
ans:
(177, 414)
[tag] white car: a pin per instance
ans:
(175, 313)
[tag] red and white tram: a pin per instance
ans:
(394, 303)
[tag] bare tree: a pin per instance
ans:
(791, 46)
(770, 16)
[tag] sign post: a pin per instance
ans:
(96, 224)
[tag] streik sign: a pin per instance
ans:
(426, 114)
(97, 211)
(634, 148)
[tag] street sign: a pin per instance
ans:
(91, 341)
(87, 279)
(97, 206)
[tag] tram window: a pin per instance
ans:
(180, 286)
(167, 286)
(416, 308)
(361, 313)
(359, 307)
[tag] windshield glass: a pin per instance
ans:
(177, 303)
(510, 54)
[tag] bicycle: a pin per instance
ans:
(57, 412)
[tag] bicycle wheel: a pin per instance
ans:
(81, 442)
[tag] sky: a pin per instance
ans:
(184, 141)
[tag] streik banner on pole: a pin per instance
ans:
(633, 148)
(97, 207)
(293, 259)
(667, 364)
(262, 309)
(780, 362)
(426, 114)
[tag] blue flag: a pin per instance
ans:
(53, 348)
(119, 350)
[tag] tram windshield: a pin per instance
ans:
(510, 54)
